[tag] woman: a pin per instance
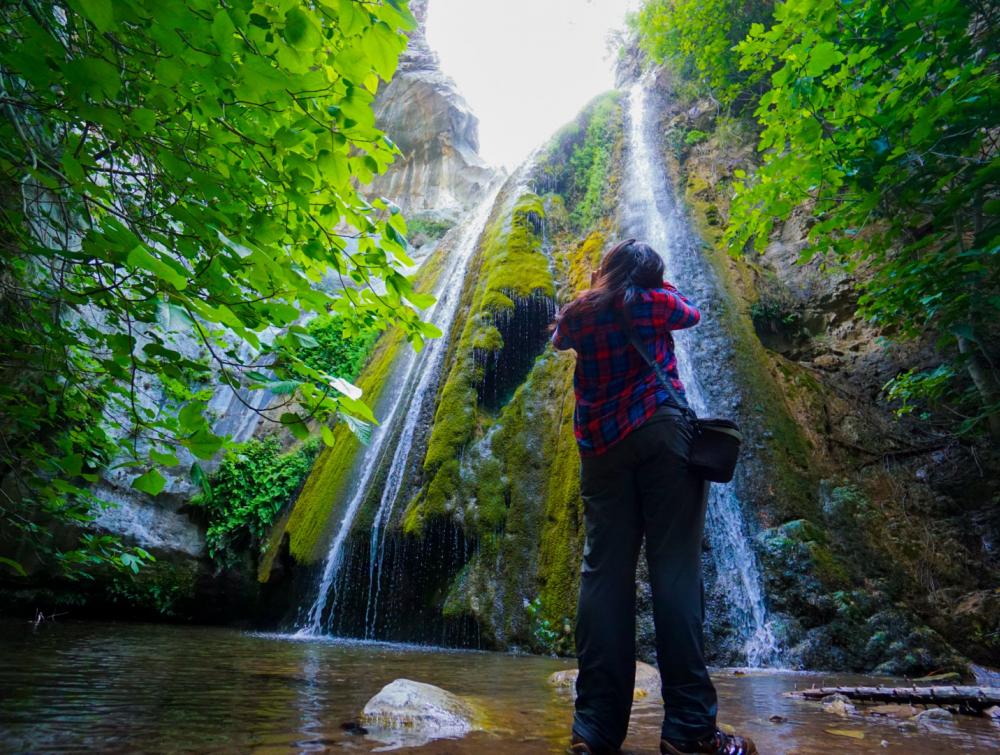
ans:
(634, 479)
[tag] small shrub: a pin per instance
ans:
(554, 638)
(248, 491)
(422, 230)
(694, 136)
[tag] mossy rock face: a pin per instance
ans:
(510, 289)
(522, 497)
(801, 571)
(899, 645)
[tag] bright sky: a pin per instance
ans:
(526, 67)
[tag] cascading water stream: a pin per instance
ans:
(418, 372)
(652, 212)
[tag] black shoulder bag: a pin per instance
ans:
(716, 442)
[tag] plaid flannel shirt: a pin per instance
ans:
(616, 391)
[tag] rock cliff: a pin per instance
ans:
(440, 173)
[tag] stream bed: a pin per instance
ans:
(67, 686)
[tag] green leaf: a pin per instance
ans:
(164, 459)
(283, 387)
(362, 430)
(14, 566)
(301, 30)
(223, 31)
(295, 424)
(822, 57)
(420, 301)
(199, 478)
(99, 12)
(141, 257)
(151, 483)
(327, 435)
(357, 408)
(203, 444)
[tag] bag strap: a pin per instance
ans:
(675, 399)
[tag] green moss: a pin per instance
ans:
(560, 548)
(490, 504)
(509, 264)
(525, 508)
(310, 519)
(454, 421)
(578, 261)
(487, 338)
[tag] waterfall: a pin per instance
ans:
(413, 376)
(653, 213)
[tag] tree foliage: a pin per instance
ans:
(178, 186)
(698, 37)
(880, 122)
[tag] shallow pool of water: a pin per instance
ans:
(129, 687)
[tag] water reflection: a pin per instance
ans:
(74, 687)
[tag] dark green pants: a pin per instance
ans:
(641, 487)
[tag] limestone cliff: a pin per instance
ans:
(421, 110)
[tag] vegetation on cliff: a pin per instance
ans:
(174, 185)
(250, 488)
(924, 501)
(881, 127)
(310, 517)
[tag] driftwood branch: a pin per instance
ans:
(966, 698)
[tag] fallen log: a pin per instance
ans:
(968, 699)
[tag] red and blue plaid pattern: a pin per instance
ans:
(616, 391)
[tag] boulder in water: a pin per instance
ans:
(647, 681)
(838, 704)
(934, 716)
(421, 711)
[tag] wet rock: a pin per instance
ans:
(993, 713)
(421, 709)
(565, 679)
(776, 719)
(801, 570)
(933, 716)
(970, 620)
(647, 681)
(837, 704)
(899, 646)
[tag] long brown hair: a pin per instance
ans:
(629, 266)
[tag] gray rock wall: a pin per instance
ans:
(421, 110)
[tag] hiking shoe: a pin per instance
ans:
(719, 743)
(579, 746)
